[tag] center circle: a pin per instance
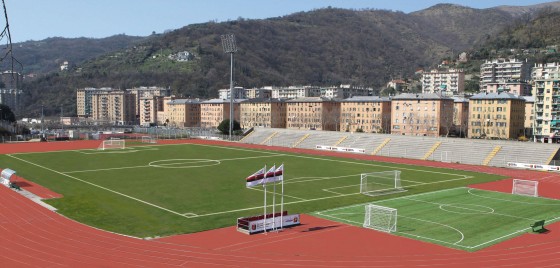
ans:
(184, 163)
(466, 209)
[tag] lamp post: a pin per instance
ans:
(228, 43)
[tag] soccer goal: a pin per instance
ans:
(148, 139)
(525, 187)
(381, 218)
(112, 144)
(379, 183)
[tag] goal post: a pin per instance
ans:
(525, 187)
(112, 144)
(380, 218)
(148, 139)
(378, 183)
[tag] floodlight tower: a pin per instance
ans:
(228, 42)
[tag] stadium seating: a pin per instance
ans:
(455, 150)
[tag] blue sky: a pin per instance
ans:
(39, 19)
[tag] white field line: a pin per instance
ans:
(516, 232)
(261, 190)
(470, 209)
(285, 203)
(171, 164)
(340, 161)
(514, 201)
(340, 219)
(413, 235)
(86, 150)
(102, 169)
(98, 186)
(363, 204)
(347, 186)
(322, 213)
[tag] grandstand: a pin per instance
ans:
(453, 150)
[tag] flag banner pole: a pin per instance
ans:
(274, 206)
(282, 201)
(264, 185)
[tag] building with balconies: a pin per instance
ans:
(501, 70)
(112, 107)
(546, 91)
(496, 116)
(427, 114)
(261, 112)
(214, 111)
(447, 82)
(183, 113)
(315, 113)
(365, 113)
(147, 92)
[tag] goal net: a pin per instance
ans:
(380, 218)
(112, 144)
(148, 139)
(378, 183)
(525, 187)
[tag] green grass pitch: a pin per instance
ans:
(462, 218)
(149, 191)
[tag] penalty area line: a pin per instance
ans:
(99, 186)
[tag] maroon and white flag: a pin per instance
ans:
(256, 179)
(275, 175)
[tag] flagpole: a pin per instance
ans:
(264, 185)
(282, 200)
(274, 202)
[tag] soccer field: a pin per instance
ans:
(158, 190)
(462, 218)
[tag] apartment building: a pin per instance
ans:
(496, 116)
(546, 90)
(261, 112)
(151, 110)
(183, 112)
(258, 93)
(365, 113)
(113, 107)
(427, 114)
(239, 93)
(316, 113)
(529, 115)
(84, 100)
(460, 126)
(448, 82)
(293, 92)
(147, 92)
(545, 70)
(500, 70)
(344, 91)
(214, 111)
(520, 88)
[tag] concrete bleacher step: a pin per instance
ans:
(301, 140)
(432, 150)
(269, 138)
(247, 136)
(551, 157)
(340, 141)
(491, 155)
(380, 147)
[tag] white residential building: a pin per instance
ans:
(501, 70)
(446, 82)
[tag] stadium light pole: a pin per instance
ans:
(228, 43)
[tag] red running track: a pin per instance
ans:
(32, 236)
